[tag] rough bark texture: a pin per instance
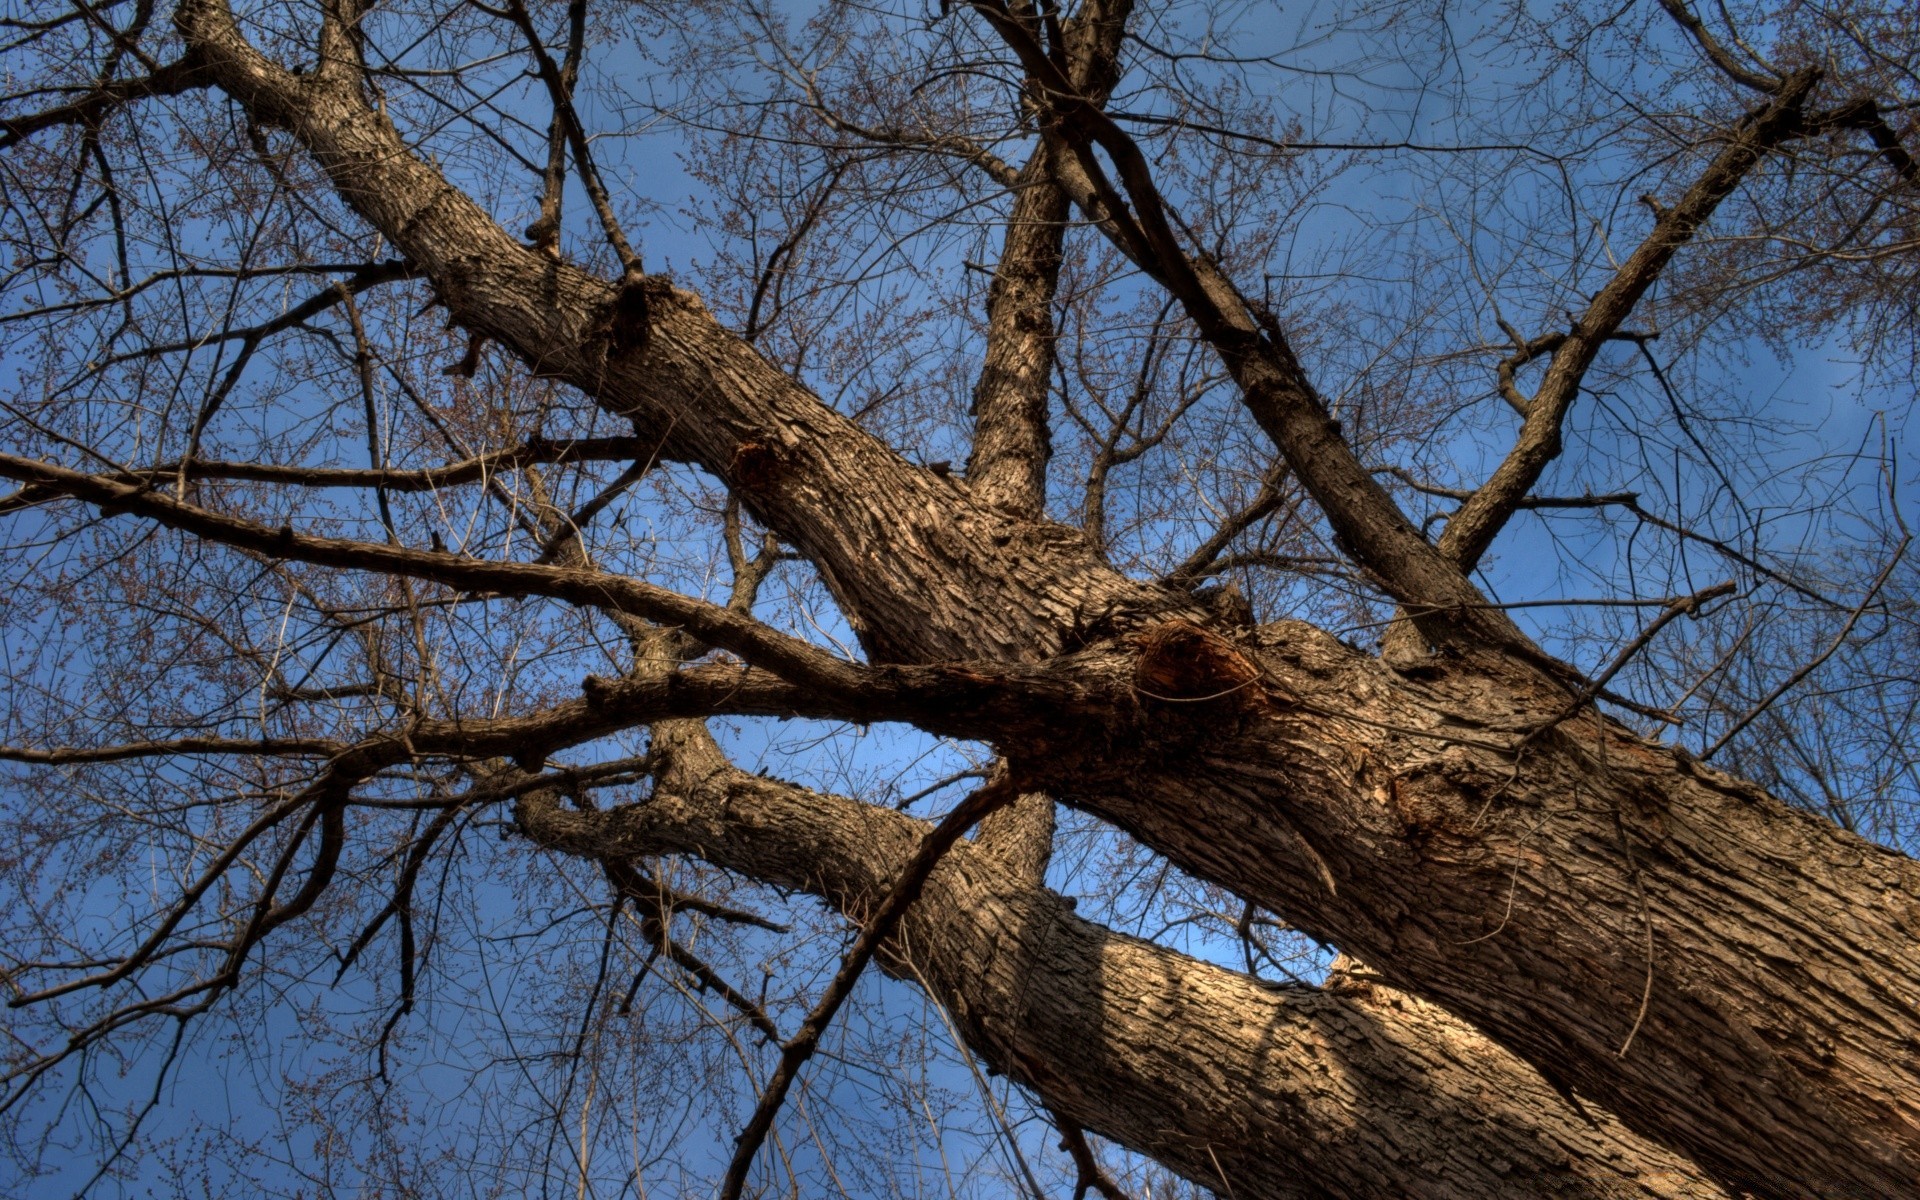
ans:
(1252, 1089)
(1011, 441)
(1010, 444)
(1731, 977)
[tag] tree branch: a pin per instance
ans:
(1155, 1050)
(879, 927)
(1472, 529)
(175, 78)
(718, 626)
(1718, 54)
(1011, 442)
(1273, 385)
(870, 521)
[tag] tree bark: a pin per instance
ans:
(1011, 443)
(1248, 1088)
(1736, 977)
(1011, 439)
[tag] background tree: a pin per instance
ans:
(514, 689)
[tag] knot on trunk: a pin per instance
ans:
(625, 323)
(1183, 663)
(754, 467)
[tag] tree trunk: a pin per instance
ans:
(1731, 975)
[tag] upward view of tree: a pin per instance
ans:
(977, 598)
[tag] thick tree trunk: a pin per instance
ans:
(1731, 977)
(1251, 1089)
(1734, 976)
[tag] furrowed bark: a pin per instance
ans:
(1735, 977)
(1011, 443)
(1245, 1087)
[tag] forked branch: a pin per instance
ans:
(1483, 514)
(1273, 384)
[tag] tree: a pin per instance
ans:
(313, 597)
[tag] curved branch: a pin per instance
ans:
(1717, 54)
(713, 623)
(175, 78)
(897, 544)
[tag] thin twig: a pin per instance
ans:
(909, 801)
(1597, 686)
(558, 91)
(1839, 639)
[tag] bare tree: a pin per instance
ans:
(504, 671)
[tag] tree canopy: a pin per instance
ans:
(991, 597)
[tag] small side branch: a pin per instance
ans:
(1206, 557)
(560, 91)
(1485, 513)
(716, 625)
(1839, 640)
(1088, 1174)
(799, 1048)
(655, 924)
(183, 75)
(477, 468)
(1718, 54)
(1597, 686)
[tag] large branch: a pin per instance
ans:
(1735, 977)
(1255, 1090)
(1011, 443)
(1273, 384)
(961, 699)
(922, 568)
